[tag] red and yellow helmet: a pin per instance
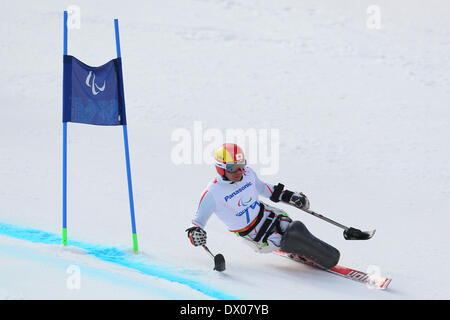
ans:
(229, 157)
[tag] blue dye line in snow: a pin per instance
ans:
(113, 255)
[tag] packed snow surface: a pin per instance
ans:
(348, 101)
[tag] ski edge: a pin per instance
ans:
(362, 277)
(371, 280)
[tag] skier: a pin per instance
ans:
(234, 197)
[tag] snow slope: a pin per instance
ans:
(363, 123)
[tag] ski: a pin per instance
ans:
(348, 273)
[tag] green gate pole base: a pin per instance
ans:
(135, 243)
(64, 237)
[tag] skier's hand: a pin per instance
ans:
(299, 200)
(197, 236)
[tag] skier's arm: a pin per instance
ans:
(264, 189)
(297, 199)
(205, 209)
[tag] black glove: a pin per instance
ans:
(197, 236)
(299, 200)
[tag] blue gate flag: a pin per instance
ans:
(93, 95)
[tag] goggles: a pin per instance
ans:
(232, 167)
